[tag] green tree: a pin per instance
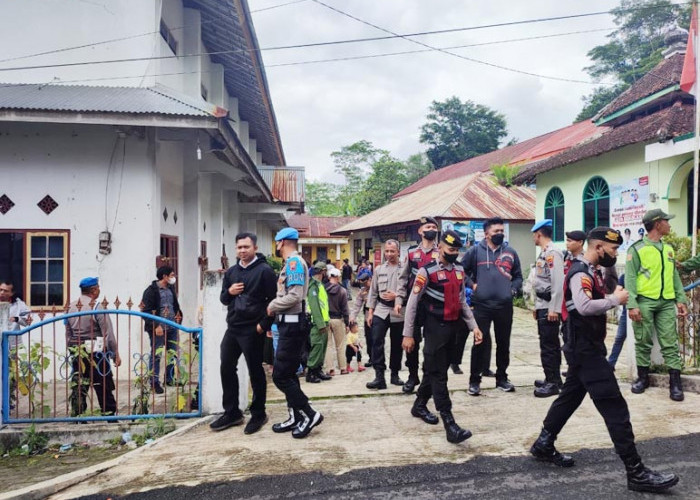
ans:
(458, 130)
(387, 178)
(634, 48)
(322, 199)
(417, 167)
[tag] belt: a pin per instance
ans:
(288, 318)
(389, 303)
(335, 315)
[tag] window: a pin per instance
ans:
(169, 255)
(596, 204)
(369, 250)
(691, 190)
(554, 209)
(37, 264)
(357, 250)
(167, 35)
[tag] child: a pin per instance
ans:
(353, 348)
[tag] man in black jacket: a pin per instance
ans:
(247, 289)
(160, 299)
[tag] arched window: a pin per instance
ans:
(554, 209)
(596, 204)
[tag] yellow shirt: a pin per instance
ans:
(352, 339)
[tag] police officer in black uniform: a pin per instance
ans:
(439, 289)
(589, 372)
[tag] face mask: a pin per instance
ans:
(172, 281)
(278, 251)
(451, 258)
(607, 260)
(430, 235)
(497, 239)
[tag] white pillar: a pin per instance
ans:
(338, 257)
(214, 327)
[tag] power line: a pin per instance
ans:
(277, 6)
(388, 54)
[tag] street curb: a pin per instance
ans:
(57, 484)
(691, 383)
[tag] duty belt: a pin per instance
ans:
(388, 303)
(288, 318)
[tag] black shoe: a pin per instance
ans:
(547, 390)
(309, 420)
(173, 383)
(289, 424)
(368, 364)
(410, 384)
(642, 382)
(225, 421)
(322, 376)
(474, 389)
(378, 383)
(420, 410)
(488, 373)
(639, 478)
(566, 373)
(540, 383)
(312, 377)
(455, 434)
(543, 450)
(157, 388)
(255, 424)
(395, 380)
(456, 369)
(505, 385)
(675, 385)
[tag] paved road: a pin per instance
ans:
(597, 474)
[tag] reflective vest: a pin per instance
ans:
(443, 291)
(656, 270)
(322, 299)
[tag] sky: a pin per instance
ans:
(322, 107)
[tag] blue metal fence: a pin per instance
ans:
(46, 381)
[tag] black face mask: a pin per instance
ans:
(451, 258)
(497, 239)
(278, 253)
(430, 235)
(607, 260)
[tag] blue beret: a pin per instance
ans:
(88, 282)
(288, 233)
(540, 224)
(364, 275)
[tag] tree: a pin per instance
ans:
(388, 177)
(417, 167)
(635, 47)
(459, 130)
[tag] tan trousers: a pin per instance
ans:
(335, 350)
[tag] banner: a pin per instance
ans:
(471, 232)
(628, 202)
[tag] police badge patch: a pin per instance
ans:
(420, 283)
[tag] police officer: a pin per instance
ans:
(439, 289)
(288, 307)
(385, 294)
(589, 372)
(655, 289)
(318, 305)
(418, 256)
(549, 278)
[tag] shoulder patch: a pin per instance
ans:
(629, 256)
(550, 260)
(294, 271)
(587, 285)
(419, 284)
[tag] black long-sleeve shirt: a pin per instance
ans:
(259, 288)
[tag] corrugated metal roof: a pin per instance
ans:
(89, 99)
(474, 196)
(524, 152)
(310, 226)
(287, 184)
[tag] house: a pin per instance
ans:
(641, 158)
(136, 133)
(316, 241)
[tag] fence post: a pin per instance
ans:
(214, 327)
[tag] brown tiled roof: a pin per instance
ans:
(310, 226)
(667, 123)
(664, 75)
(522, 153)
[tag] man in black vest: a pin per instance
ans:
(589, 371)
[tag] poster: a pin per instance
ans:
(471, 232)
(628, 202)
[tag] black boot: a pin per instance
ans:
(288, 424)
(310, 418)
(311, 376)
(642, 381)
(411, 383)
(420, 410)
(543, 449)
(675, 384)
(379, 381)
(455, 434)
(395, 380)
(456, 369)
(322, 376)
(639, 478)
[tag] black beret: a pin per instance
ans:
(607, 234)
(427, 220)
(452, 238)
(577, 235)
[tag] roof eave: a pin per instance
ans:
(103, 118)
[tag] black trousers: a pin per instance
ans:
(287, 359)
(368, 336)
(247, 341)
(502, 319)
(379, 329)
(96, 373)
(350, 353)
(438, 347)
(550, 348)
(595, 376)
(412, 357)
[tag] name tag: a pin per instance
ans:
(94, 345)
(441, 276)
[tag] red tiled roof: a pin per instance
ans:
(310, 226)
(523, 153)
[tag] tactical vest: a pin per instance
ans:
(656, 269)
(586, 333)
(443, 291)
(417, 259)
